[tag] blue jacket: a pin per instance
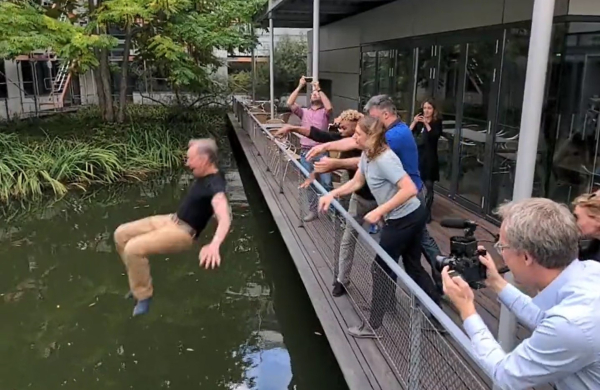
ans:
(401, 141)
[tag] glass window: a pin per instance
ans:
(573, 160)
(506, 140)
(368, 80)
(425, 66)
(476, 103)
(384, 67)
(446, 94)
(403, 88)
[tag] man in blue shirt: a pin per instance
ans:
(539, 244)
(401, 141)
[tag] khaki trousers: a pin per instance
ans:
(136, 240)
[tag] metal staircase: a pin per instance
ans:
(60, 82)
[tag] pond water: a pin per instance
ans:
(65, 324)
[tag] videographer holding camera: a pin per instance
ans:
(539, 244)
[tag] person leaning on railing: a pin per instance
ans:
(403, 213)
(316, 115)
(361, 201)
(401, 141)
(587, 213)
(539, 244)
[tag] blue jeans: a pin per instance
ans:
(324, 178)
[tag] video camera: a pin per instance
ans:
(464, 260)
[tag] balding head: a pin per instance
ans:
(206, 146)
(202, 156)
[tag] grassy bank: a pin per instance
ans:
(62, 152)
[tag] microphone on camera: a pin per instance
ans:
(457, 223)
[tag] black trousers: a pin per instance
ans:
(429, 196)
(399, 237)
(429, 247)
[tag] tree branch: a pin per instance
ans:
(152, 99)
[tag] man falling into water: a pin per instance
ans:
(162, 234)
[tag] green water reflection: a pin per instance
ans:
(65, 325)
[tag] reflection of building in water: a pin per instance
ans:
(475, 69)
(270, 365)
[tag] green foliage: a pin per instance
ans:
(62, 157)
(179, 38)
(289, 59)
(240, 82)
(25, 28)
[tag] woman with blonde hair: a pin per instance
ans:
(587, 213)
(398, 207)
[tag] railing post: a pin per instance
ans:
(414, 364)
(301, 211)
(337, 238)
(316, 38)
(283, 170)
(271, 64)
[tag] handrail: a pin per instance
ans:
(453, 330)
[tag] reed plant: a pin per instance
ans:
(79, 150)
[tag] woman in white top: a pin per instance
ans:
(403, 215)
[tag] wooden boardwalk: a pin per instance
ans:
(365, 363)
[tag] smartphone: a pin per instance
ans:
(308, 79)
(420, 112)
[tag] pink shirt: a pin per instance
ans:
(316, 118)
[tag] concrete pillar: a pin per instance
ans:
(533, 100)
(315, 38)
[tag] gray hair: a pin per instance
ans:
(382, 102)
(542, 228)
(206, 146)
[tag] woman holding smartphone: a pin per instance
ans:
(427, 129)
(403, 215)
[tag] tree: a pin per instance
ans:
(179, 37)
(24, 28)
(289, 58)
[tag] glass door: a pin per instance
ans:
(507, 129)
(474, 133)
(368, 76)
(403, 76)
(384, 71)
(425, 73)
(447, 96)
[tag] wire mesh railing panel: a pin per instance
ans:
(422, 353)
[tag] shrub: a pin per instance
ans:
(77, 150)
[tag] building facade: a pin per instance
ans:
(470, 56)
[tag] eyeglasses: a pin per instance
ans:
(500, 247)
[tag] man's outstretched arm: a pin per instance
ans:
(342, 145)
(209, 254)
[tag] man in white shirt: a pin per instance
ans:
(539, 243)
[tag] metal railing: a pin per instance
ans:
(420, 354)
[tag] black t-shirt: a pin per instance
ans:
(322, 137)
(196, 208)
(589, 249)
